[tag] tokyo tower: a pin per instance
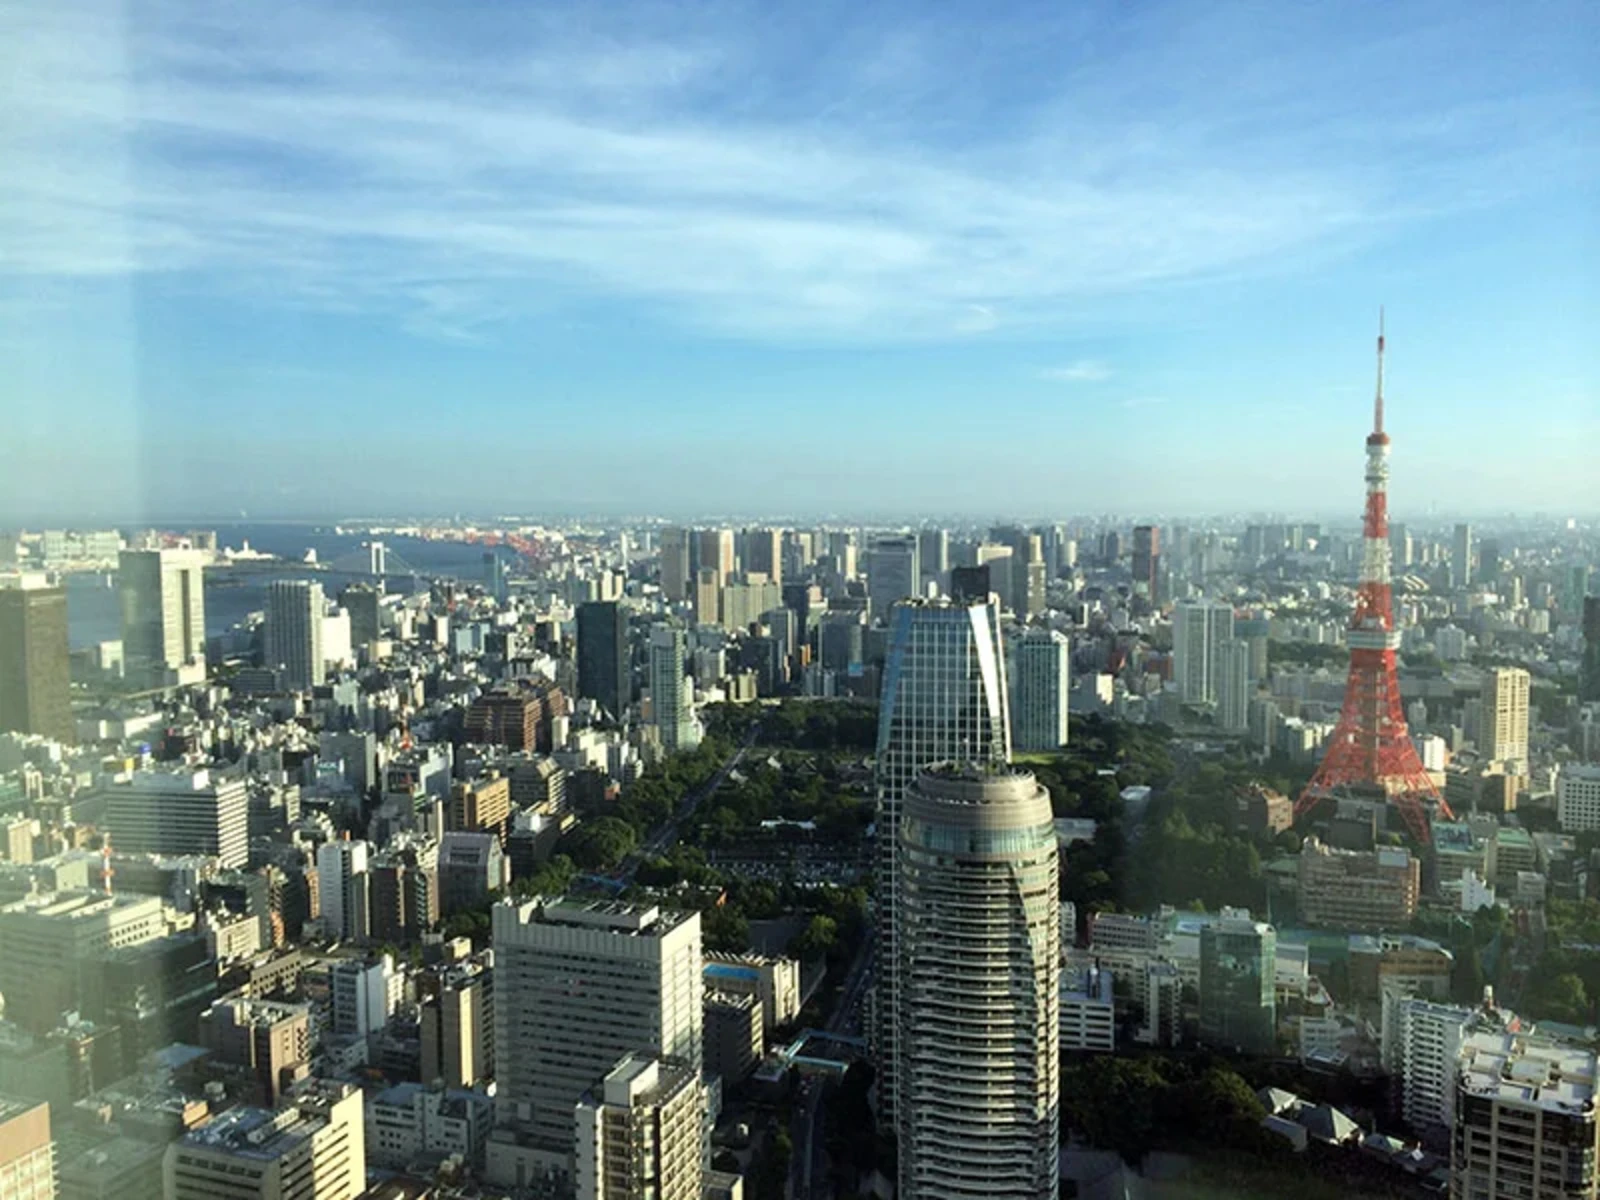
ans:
(1371, 747)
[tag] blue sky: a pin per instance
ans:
(892, 258)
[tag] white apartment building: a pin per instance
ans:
(1503, 714)
(365, 993)
(671, 691)
(1041, 682)
(1163, 1005)
(979, 1002)
(293, 635)
(1524, 1119)
(1234, 685)
(342, 886)
(1198, 630)
(1421, 1041)
(639, 1133)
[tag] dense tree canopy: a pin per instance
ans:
(600, 843)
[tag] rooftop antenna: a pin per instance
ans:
(1377, 406)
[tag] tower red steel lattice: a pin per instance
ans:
(1371, 746)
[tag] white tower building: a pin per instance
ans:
(980, 984)
(1198, 630)
(579, 986)
(163, 610)
(671, 691)
(294, 632)
(1041, 680)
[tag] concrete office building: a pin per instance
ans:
(1041, 682)
(1524, 1119)
(457, 1025)
(35, 674)
(763, 553)
(505, 718)
(312, 1149)
(480, 805)
(363, 602)
(27, 1151)
(1238, 999)
(639, 1133)
(411, 1123)
(1578, 798)
(363, 994)
(894, 573)
(1147, 562)
(1589, 670)
(163, 601)
(774, 981)
(471, 866)
(270, 1040)
(979, 987)
(403, 896)
(1461, 556)
(933, 555)
(293, 636)
(1161, 984)
(1235, 685)
(578, 986)
(944, 699)
(671, 691)
(342, 888)
(178, 813)
(715, 553)
(734, 1041)
(1088, 1011)
(707, 597)
(675, 567)
(49, 941)
(1198, 630)
(603, 663)
(1503, 718)
(1358, 890)
(1400, 546)
(998, 561)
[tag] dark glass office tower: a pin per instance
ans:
(603, 674)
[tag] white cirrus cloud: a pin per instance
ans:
(878, 185)
(1084, 370)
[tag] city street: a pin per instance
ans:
(808, 1171)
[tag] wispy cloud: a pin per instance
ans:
(1085, 370)
(726, 177)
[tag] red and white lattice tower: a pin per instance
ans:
(1371, 746)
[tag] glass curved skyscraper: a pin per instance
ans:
(944, 700)
(978, 1005)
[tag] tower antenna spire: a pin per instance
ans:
(1377, 404)
(1371, 746)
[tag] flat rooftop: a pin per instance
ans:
(1516, 1069)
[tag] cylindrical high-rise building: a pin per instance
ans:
(978, 1002)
